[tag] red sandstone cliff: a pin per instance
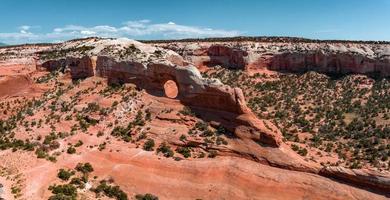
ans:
(332, 57)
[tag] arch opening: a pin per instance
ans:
(171, 90)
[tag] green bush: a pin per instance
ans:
(40, 153)
(84, 168)
(166, 150)
(187, 111)
(79, 143)
(78, 182)
(63, 192)
(149, 145)
(212, 154)
(65, 174)
(71, 150)
(146, 197)
(110, 191)
(185, 151)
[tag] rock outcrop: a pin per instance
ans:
(363, 178)
(128, 61)
(150, 68)
(332, 57)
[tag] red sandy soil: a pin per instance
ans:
(137, 171)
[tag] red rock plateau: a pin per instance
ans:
(147, 121)
(286, 54)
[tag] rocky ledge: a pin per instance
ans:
(335, 57)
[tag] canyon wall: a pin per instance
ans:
(333, 57)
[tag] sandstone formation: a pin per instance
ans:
(128, 61)
(329, 57)
(254, 164)
(364, 178)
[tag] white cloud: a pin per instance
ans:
(131, 29)
(86, 32)
(24, 29)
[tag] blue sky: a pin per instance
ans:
(26, 21)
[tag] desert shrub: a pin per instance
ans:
(65, 174)
(40, 153)
(92, 107)
(110, 191)
(148, 115)
(100, 133)
(147, 196)
(122, 132)
(299, 150)
(185, 151)
(84, 168)
(294, 147)
(49, 138)
(149, 145)
(71, 150)
(139, 121)
(63, 192)
(166, 150)
(220, 141)
(187, 111)
(202, 126)
(302, 151)
(85, 121)
(212, 154)
(79, 143)
(183, 138)
(80, 183)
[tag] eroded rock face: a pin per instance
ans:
(11, 85)
(340, 58)
(128, 61)
(365, 178)
(151, 74)
(223, 55)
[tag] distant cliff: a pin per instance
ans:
(287, 54)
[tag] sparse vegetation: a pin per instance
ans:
(185, 151)
(65, 174)
(61, 192)
(165, 150)
(342, 115)
(146, 196)
(84, 168)
(149, 145)
(71, 150)
(110, 191)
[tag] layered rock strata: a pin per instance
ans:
(150, 68)
(328, 57)
(128, 61)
